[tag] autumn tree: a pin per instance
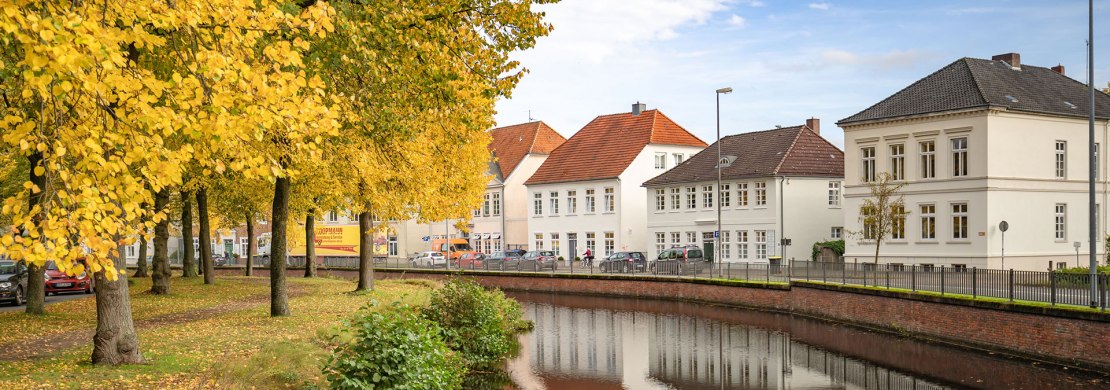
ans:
(237, 201)
(883, 213)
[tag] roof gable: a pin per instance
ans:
(788, 151)
(606, 146)
(511, 143)
(971, 83)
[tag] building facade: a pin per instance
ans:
(977, 143)
(588, 194)
(780, 193)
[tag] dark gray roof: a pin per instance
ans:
(976, 83)
(790, 151)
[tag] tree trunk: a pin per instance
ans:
(140, 264)
(365, 251)
(160, 277)
(250, 245)
(188, 258)
(36, 281)
(205, 236)
(115, 341)
(309, 246)
(279, 301)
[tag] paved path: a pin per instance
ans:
(49, 300)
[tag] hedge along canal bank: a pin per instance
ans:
(1069, 337)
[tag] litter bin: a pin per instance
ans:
(775, 265)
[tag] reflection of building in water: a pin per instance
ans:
(646, 350)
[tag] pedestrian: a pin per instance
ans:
(589, 257)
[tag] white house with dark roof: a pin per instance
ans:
(775, 184)
(976, 143)
(587, 193)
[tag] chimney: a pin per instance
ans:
(1058, 69)
(638, 108)
(1013, 59)
(814, 124)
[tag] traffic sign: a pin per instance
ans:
(716, 234)
(426, 238)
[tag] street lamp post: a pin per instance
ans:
(717, 237)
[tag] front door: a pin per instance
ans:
(228, 248)
(572, 245)
(707, 250)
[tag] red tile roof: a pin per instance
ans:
(607, 145)
(511, 143)
(790, 151)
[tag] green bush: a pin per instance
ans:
(477, 323)
(1078, 276)
(837, 247)
(394, 348)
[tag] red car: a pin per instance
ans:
(469, 261)
(58, 282)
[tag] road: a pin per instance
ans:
(49, 300)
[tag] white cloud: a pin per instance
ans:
(755, 3)
(737, 21)
(889, 60)
(820, 6)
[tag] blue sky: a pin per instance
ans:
(786, 60)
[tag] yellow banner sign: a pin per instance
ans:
(336, 241)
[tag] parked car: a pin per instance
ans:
(541, 259)
(60, 282)
(429, 259)
(503, 260)
(516, 252)
(470, 261)
(679, 260)
(13, 282)
(624, 262)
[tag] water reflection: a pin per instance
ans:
(609, 343)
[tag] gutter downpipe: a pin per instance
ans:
(782, 219)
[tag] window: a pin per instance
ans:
(870, 222)
(691, 198)
(392, 244)
(928, 159)
(572, 202)
(1061, 159)
(760, 244)
(868, 167)
(591, 241)
(610, 200)
(959, 157)
(959, 220)
(898, 162)
(554, 199)
(486, 205)
(660, 160)
(660, 199)
(742, 194)
(610, 243)
(761, 193)
(131, 250)
(726, 245)
(676, 239)
(537, 204)
(678, 158)
(928, 222)
(707, 196)
(496, 245)
(692, 238)
(834, 193)
(676, 198)
(555, 243)
(726, 195)
(741, 244)
(898, 223)
(333, 216)
(660, 242)
(243, 243)
(478, 212)
(496, 204)
(590, 204)
(837, 232)
(1061, 222)
(539, 242)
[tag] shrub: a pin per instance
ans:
(561, 258)
(394, 348)
(477, 323)
(1078, 276)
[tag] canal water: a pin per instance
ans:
(584, 342)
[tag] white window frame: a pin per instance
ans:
(496, 196)
(761, 194)
(726, 195)
(867, 166)
(610, 199)
(591, 242)
(898, 223)
(556, 243)
(836, 233)
(554, 200)
(1061, 222)
(610, 243)
(742, 244)
(660, 199)
(678, 158)
(676, 239)
(691, 198)
(834, 194)
(591, 201)
(486, 205)
(726, 245)
(742, 195)
(538, 241)
(660, 241)
(660, 160)
(676, 198)
(959, 220)
(572, 202)
(928, 149)
(1061, 159)
(928, 221)
(707, 196)
(537, 203)
(760, 244)
(898, 161)
(692, 238)
(959, 156)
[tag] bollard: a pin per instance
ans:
(1052, 283)
(1011, 284)
(913, 278)
(974, 282)
(942, 280)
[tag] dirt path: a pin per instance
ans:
(49, 345)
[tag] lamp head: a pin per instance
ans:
(725, 90)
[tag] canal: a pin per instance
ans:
(585, 342)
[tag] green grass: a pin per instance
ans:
(239, 349)
(965, 297)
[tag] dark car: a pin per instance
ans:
(624, 262)
(60, 282)
(679, 260)
(13, 282)
(516, 252)
(509, 260)
(539, 260)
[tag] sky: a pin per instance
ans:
(785, 60)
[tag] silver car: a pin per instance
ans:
(429, 259)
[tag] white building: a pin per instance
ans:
(976, 143)
(501, 222)
(588, 193)
(776, 184)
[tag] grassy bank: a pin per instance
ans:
(218, 336)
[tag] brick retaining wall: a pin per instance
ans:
(1066, 337)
